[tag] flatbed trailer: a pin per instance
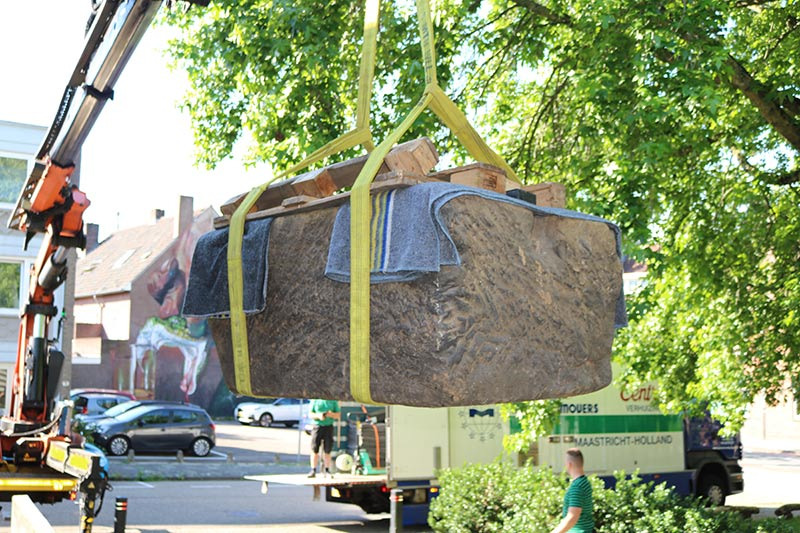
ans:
(415, 443)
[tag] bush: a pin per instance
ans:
(498, 497)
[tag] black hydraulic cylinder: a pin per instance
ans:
(120, 515)
(55, 271)
(396, 511)
(35, 374)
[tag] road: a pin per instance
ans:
(770, 480)
(175, 506)
(256, 444)
(238, 506)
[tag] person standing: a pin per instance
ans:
(323, 414)
(577, 514)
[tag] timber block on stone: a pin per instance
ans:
(528, 314)
(317, 183)
(416, 157)
(480, 175)
(548, 194)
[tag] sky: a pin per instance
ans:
(139, 156)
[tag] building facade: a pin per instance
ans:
(129, 333)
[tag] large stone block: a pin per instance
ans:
(529, 314)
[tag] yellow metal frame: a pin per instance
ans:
(37, 484)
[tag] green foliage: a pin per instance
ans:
(13, 172)
(533, 420)
(83, 429)
(678, 120)
(501, 498)
(497, 497)
(9, 284)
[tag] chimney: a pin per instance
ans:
(156, 215)
(92, 235)
(185, 215)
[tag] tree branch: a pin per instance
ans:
(774, 114)
(787, 178)
(545, 12)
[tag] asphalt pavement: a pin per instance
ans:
(240, 450)
(193, 495)
(236, 506)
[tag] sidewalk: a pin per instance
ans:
(161, 469)
(375, 526)
(771, 446)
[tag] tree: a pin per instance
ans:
(678, 120)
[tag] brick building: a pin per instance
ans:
(129, 333)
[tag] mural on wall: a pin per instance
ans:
(173, 357)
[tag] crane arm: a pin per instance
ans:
(35, 435)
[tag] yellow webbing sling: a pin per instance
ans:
(360, 210)
(443, 107)
(360, 135)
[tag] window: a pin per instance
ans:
(13, 173)
(10, 283)
(107, 403)
(183, 417)
(156, 417)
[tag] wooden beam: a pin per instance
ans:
(317, 183)
(548, 194)
(480, 175)
(417, 156)
(390, 180)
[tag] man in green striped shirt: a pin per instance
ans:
(577, 513)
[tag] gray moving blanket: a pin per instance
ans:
(409, 238)
(207, 293)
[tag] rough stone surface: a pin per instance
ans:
(529, 314)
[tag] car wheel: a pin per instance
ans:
(201, 447)
(265, 420)
(118, 445)
(712, 487)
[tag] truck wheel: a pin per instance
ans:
(118, 445)
(712, 488)
(265, 420)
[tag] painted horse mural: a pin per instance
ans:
(172, 332)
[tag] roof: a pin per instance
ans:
(121, 258)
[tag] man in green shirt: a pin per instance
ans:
(577, 513)
(323, 413)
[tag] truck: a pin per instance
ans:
(616, 430)
(399, 447)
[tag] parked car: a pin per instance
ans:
(95, 403)
(78, 392)
(286, 411)
(157, 427)
(112, 412)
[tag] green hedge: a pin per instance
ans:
(498, 498)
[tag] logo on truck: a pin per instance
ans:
(480, 424)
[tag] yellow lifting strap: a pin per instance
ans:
(360, 135)
(360, 210)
